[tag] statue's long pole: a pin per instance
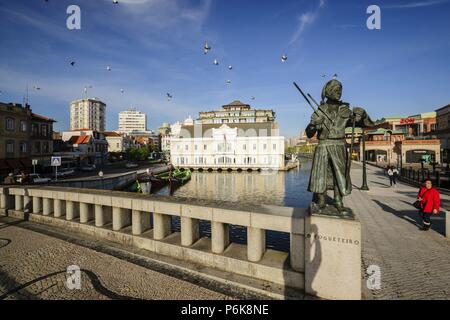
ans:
(312, 107)
(364, 184)
(349, 157)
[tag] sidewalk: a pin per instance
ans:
(414, 264)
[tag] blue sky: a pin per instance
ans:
(155, 47)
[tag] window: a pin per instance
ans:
(35, 129)
(23, 126)
(9, 146)
(23, 147)
(274, 146)
(186, 147)
(204, 147)
(45, 148)
(244, 147)
(195, 147)
(44, 130)
(254, 146)
(265, 146)
(37, 147)
(10, 124)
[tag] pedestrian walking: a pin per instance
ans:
(9, 179)
(428, 203)
(392, 176)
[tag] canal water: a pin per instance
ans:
(265, 187)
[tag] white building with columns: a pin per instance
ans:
(227, 146)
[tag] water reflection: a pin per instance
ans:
(268, 187)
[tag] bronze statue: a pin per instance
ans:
(331, 162)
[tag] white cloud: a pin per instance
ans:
(304, 20)
(161, 14)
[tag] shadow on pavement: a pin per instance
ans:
(413, 216)
(22, 288)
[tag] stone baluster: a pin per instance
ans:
(37, 205)
(140, 221)
(161, 225)
(120, 218)
(47, 205)
(220, 236)
(27, 203)
(102, 215)
(18, 202)
(85, 212)
(71, 210)
(190, 231)
(256, 243)
(58, 208)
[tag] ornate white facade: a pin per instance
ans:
(224, 147)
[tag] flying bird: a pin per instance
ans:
(253, 98)
(36, 88)
(216, 62)
(228, 81)
(169, 96)
(206, 48)
(335, 76)
(116, 1)
(72, 63)
(284, 58)
(323, 75)
(121, 90)
(230, 67)
(108, 68)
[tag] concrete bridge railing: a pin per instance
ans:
(144, 221)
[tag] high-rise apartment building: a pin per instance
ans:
(132, 120)
(87, 114)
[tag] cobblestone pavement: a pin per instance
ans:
(34, 266)
(414, 264)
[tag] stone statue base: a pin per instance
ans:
(331, 211)
(332, 253)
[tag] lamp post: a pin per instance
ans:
(100, 174)
(364, 183)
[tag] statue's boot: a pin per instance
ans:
(322, 200)
(339, 205)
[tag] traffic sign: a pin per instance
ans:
(34, 162)
(56, 161)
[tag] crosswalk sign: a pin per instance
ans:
(56, 161)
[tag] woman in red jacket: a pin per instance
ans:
(429, 203)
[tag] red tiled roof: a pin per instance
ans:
(79, 139)
(111, 134)
(39, 117)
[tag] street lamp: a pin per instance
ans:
(100, 174)
(364, 183)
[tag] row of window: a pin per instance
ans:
(221, 147)
(226, 160)
(43, 129)
(38, 147)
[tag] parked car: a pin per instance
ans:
(36, 178)
(65, 172)
(131, 165)
(88, 168)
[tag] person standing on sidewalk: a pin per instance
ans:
(430, 203)
(391, 175)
